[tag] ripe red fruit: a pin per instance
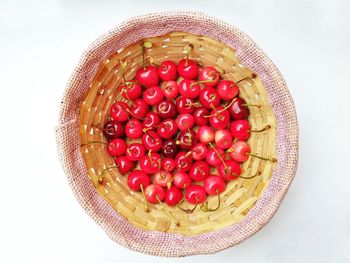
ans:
(131, 91)
(189, 89)
(187, 139)
(133, 129)
(206, 134)
(223, 139)
(162, 178)
(209, 97)
(209, 76)
(153, 95)
(183, 162)
(167, 129)
(182, 180)
(240, 129)
(199, 116)
(166, 109)
(212, 157)
(184, 105)
(151, 120)
(147, 76)
(199, 151)
(135, 151)
(116, 147)
(167, 70)
(113, 129)
(139, 109)
(219, 119)
(239, 151)
(173, 196)
(154, 193)
(123, 164)
(119, 111)
(195, 194)
(169, 148)
(137, 178)
(188, 69)
(230, 171)
(150, 165)
(168, 164)
(238, 109)
(152, 141)
(184, 121)
(227, 89)
(170, 89)
(199, 171)
(214, 185)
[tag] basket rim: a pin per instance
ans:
(287, 132)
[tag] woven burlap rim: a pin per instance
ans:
(250, 55)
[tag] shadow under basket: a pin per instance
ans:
(246, 204)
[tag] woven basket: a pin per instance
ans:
(247, 204)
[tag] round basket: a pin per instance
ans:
(246, 204)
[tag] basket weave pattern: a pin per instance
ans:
(89, 70)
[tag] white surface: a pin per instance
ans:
(41, 42)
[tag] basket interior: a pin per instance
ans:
(240, 195)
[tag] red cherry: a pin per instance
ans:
(167, 70)
(183, 162)
(206, 134)
(131, 91)
(182, 180)
(166, 109)
(184, 121)
(184, 105)
(240, 129)
(151, 164)
(187, 139)
(123, 164)
(199, 151)
(162, 178)
(113, 129)
(209, 97)
(219, 119)
(139, 109)
(153, 95)
(227, 89)
(147, 76)
(154, 193)
(212, 157)
(199, 171)
(239, 151)
(223, 139)
(214, 185)
(209, 76)
(168, 164)
(151, 120)
(189, 89)
(230, 171)
(173, 196)
(238, 109)
(199, 114)
(133, 129)
(137, 178)
(119, 111)
(169, 148)
(152, 141)
(135, 151)
(116, 147)
(195, 194)
(170, 89)
(167, 129)
(188, 69)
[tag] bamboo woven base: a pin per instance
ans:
(239, 196)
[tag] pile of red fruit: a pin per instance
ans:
(186, 129)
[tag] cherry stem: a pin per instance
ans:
(167, 212)
(196, 105)
(134, 114)
(252, 105)
(263, 129)
(144, 198)
(201, 81)
(270, 159)
(205, 207)
(188, 211)
(188, 52)
(218, 154)
(150, 156)
(251, 76)
(222, 110)
(100, 175)
(255, 175)
(151, 60)
(92, 142)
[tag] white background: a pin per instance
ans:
(41, 42)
